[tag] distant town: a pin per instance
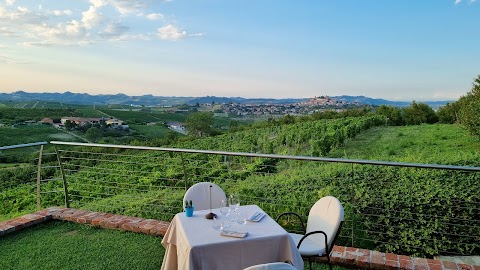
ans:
(310, 106)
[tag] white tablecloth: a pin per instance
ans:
(192, 243)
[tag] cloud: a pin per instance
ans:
(4, 31)
(114, 31)
(447, 95)
(103, 20)
(21, 15)
(65, 12)
(98, 3)
(91, 18)
(154, 16)
(457, 2)
(128, 6)
(197, 35)
(10, 2)
(171, 32)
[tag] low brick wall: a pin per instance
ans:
(345, 256)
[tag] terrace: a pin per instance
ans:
(140, 189)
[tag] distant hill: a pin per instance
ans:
(150, 100)
(210, 99)
(379, 101)
(87, 99)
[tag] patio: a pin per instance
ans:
(341, 256)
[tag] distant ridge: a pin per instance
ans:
(379, 101)
(150, 100)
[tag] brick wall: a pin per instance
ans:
(345, 256)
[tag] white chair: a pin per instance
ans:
(272, 266)
(323, 226)
(199, 194)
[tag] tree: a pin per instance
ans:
(93, 134)
(419, 113)
(469, 113)
(393, 114)
(199, 124)
(70, 125)
(448, 114)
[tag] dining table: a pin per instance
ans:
(193, 243)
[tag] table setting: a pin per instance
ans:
(235, 238)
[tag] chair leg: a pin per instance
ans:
(310, 262)
(329, 263)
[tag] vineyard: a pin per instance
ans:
(385, 206)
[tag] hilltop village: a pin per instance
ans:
(303, 108)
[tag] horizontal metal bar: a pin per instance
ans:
(53, 191)
(322, 159)
(50, 179)
(22, 145)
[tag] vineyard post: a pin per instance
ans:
(39, 168)
(65, 185)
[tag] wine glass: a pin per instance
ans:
(218, 224)
(225, 210)
(241, 218)
(234, 202)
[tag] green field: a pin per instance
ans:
(439, 144)
(145, 116)
(151, 132)
(21, 134)
(88, 112)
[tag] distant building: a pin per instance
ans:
(176, 125)
(80, 121)
(114, 122)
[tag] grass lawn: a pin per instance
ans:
(438, 143)
(66, 245)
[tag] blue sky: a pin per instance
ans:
(398, 49)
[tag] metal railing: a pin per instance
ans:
(18, 171)
(406, 208)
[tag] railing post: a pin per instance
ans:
(184, 171)
(65, 185)
(353, 208)
(39, 168)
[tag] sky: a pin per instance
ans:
(397, 49)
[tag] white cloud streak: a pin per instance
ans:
(174, 33)
(457, 2)
(66, 12)
(10, 2)
(171, 32)
(155, 16)
(125, 7)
